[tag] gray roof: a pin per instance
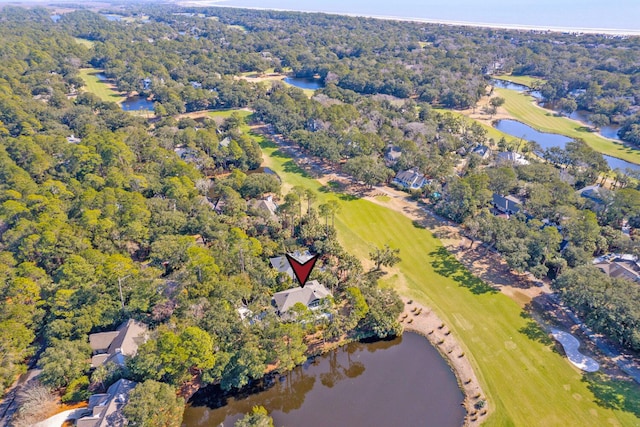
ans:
(510, 156)
(411, 179)
(312, 292)
(117, 344)
(281, 263)
(266, 205)
(106, 409)
(508, 204)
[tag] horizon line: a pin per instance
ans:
(523, 27)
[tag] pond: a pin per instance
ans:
(401, 382)
(135, 103)
(610, 131)
(548, 140)
(305, 82)
(263, 169)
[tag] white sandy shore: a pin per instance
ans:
(608, 31)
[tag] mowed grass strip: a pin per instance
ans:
(87, 43)
(98, 87)
(522, 108)
(527, 383)
(521, 80)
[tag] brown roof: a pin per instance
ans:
(620, 270)
(116, 344)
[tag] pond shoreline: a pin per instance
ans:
(427, 324)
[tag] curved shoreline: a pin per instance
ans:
(494, 25)
(425, 322)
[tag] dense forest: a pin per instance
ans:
(118, 225)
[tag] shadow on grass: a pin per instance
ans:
(534, 332)
(623, 395)
(447, 265)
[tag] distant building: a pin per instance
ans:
(311, 296)
(512, 158)
(114, 346)
(595, 193)
(483, 151)
(410, 179)
(281, 263)
(619, 266)
(265, 205)
(73, 140)
(196, 85)
(508, 205)
(392, 155)
(187, 154)
(105, 410)
(225, 142)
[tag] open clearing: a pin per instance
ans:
(526, 381)
(88, 43)
(101, 89)
(522, 108)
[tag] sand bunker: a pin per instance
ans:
(571, 345)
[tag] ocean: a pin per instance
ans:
(615, 16)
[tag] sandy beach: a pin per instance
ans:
(519, 27)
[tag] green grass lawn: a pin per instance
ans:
(527, 383)
(491, 131)
(521, 80)
(521, 107)
(84, 42)
(227, 113)
(98, 87)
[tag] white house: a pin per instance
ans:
(410, 179)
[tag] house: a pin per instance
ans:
(392, 155)
(105, 410)
(187, 154)
(265, 205)
(114, 346)
(281, 263)
(595, 193)
(410, 179)
(311, 296)
(225, 142)
(146, 83)
(620, 269)
(73, 139)
(483, 151)
(196, 85)
(508, 205)
(512, 157)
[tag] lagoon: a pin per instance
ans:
(305, 82)
(548, 140)
(400, 382)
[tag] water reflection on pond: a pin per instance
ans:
(304, 82)
(548, 140)
(402, 382)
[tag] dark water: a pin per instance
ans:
(403, 382)
(305, 82)
(263, 169)
(582, 116)
(548, 140)
(134, 103)
(112, 17)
